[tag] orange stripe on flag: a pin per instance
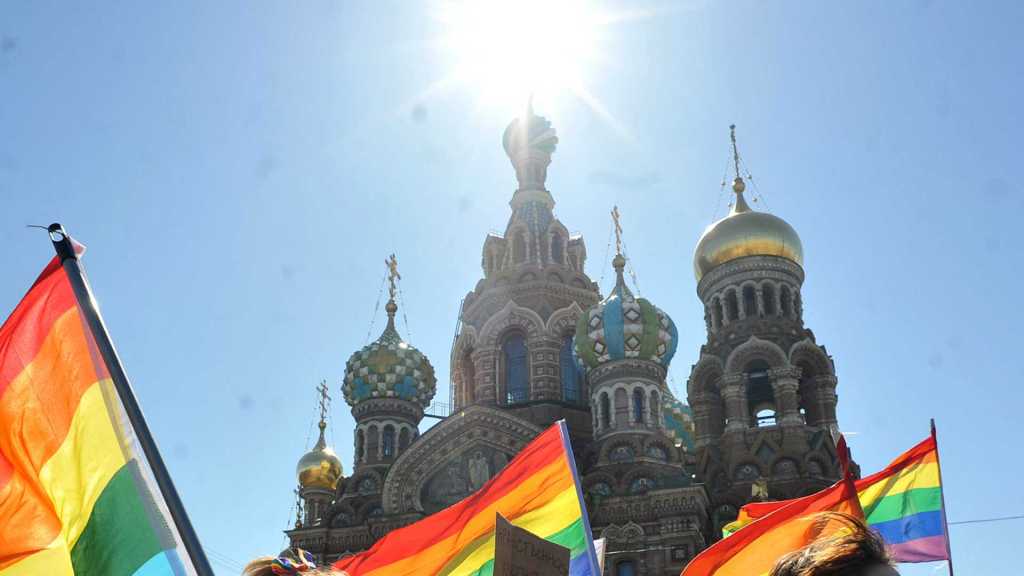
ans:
(755, 549)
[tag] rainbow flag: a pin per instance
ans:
(538, 490)
(754, 551)
(903, 503)
(74, 496)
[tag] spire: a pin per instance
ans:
(529, 142)
(393, 277)
(738, 186)
(619, 262)
(325, 403)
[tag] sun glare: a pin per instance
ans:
(505, 51)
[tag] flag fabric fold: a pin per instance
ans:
(76, 497)
(538, 490)
(903, 502)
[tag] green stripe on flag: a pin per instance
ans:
(904, 504)
(119, 537)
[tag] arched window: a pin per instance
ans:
(606, 411)
(716, 311)
(760, 394)
(570, 372)
(655, 409)
(557, 250)
(621, 400)
(519, 247)
(798, 306)
(372, 441)
(749, 301)
(388, 441)
(638, 405)
(625, 568)
(468, 378)
(403, 439)
(732, 308)
(786, 302)
(517, 382)
(768, 296)
(360, 445)
(808, 395)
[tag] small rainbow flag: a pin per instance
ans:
(75, 497)
(538, 490)
(903, 503)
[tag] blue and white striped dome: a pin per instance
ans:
(622, 326)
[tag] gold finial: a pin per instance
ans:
(738, 186)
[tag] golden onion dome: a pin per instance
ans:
(745, 232)
(320, 467)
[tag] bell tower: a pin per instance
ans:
(762, 390)
(514, 347)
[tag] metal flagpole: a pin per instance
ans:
(942, 493)
(83, 294)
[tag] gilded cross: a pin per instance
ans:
(618, 229)
(325, 400)
(735, 152)
(393, 275)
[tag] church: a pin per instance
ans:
(538, 342)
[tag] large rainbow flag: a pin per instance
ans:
(903, 503)
(75, 497)
(538, 490)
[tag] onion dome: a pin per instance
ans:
(529, 142)
(622, 326)
(678, 422)
(320, 467)
(389, 368)
(745, 232)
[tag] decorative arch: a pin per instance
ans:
(755, 349)
(511, 316)
(806, 351)
(563, 321)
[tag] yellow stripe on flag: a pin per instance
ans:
(75, 476)
(53, 561)
(562, 511)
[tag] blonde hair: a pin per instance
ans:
(853, 549)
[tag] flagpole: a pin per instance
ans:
(942, 494)
(83, 294)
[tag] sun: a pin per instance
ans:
(506, 51)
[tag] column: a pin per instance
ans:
(826, 385)
(785, 384)
(735, 395)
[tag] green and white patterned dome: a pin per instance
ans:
(622, 326)
(678, 422)
(389, 368)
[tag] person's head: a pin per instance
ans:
(291, 562)
(854, 550)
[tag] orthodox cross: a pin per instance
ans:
(393, 275)
(618, 230)
(325, 400)
(735, 152)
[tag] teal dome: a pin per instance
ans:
(622, 326)
(389, 368)
(678, 421)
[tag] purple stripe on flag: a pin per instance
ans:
(921, 550)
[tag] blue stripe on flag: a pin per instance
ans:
(920, 525)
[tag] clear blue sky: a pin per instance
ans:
(239, 170)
